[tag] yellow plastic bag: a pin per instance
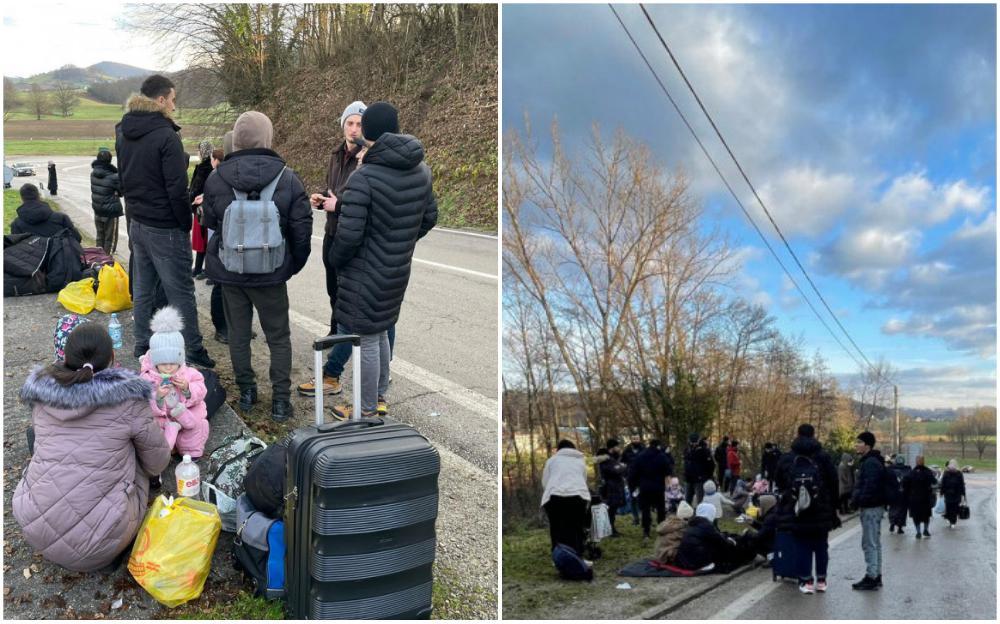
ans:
(172, 554)
(112, 289)
(752, 511)
(78, 296)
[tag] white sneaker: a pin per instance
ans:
(807, 588)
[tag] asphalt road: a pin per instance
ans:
(950, 576)
(444, 369)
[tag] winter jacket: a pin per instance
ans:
(343, 162)
(36, 217)
(762, 541)
(721, 455)
(53, 180)
(713, 497)
(897, 512)
(698, 464)
(669, 533)
(197, 186)
(701, 545)
(152, 166)
(919, 490)
(251, 170)
(612, 473)
(565, 474)
(868, 483)
(387, 205)
(733, 461)
(649, 471)
(631, 452)
(35, 264)
(845, 475)
(952, 486)
(821, 515)
(84, 494)
(105, 190)
(769, 463)
(193, 434)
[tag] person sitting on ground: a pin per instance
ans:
(670, 532)
(565, 496)
(674, 495)
(36, 217)
(84, 493)
(713, 497)
(765, 526)
(760, 487)
(179, 391)
(740, 496)
(705, 547)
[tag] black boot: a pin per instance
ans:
(201, 358)
(866, 584)
(248, 397)
(281, 410)
(878, 579)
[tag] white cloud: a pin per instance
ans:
(807, 200)
(913, 199)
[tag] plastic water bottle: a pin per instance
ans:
(115, 331)
(188, 478)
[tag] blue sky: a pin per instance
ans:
(869, 130)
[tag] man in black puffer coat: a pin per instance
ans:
(649, 472)
(811, 525)
(870, 499)
(153, 170)
(388, 204)
(36, 217)
(105, 199)
(249, 168)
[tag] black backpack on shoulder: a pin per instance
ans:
(807, 483)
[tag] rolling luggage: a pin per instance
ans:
(786, 558)
(360, 506)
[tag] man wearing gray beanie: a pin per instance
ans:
(343, 162)
(385, 225)
(250, 168)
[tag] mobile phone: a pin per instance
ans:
(360, 142)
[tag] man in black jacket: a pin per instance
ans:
(628, 456)
(809, 520)
(650, 472)
(720, 461)
(343, 162)
(105, 199)
(36, 217)
(153, 171)
(698, 467)
(869, 498)
(387, 206)
(769, 463)
(251, 167)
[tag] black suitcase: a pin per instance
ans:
(360, 508)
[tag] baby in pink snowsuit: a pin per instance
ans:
(179, 391)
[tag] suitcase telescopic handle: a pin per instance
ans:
(325, 343)
(363, 423)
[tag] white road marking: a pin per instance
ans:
(464, 233)
(446, 267)
(469, 399)
(755, 595)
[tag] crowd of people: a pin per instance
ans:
(104, 428)
(797, 495)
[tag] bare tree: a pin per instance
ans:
(39, 102)
(11, 98)
(65, 97)
(960, 431)
(873, 389)
(983, 428)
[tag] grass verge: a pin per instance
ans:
(69, 147)
(988, 464)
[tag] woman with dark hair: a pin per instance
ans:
(566, 497)
(84, 494)
(612, 473)
(199, 233)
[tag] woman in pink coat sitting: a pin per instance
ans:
(178, 400)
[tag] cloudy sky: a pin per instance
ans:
(870, 132)
(42, 36)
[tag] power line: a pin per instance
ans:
(746, 213)
(752, 188)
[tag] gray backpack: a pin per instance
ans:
(251, 233)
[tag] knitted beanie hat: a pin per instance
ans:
(252, 129)
(710, 487)
(706, 510)
(166, 345)
(354, 108)
(685, 511)
(378, 119)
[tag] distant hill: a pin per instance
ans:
(83, 77)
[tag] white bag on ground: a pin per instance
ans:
(600, 524)
(939, 506)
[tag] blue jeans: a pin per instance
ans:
(161, 257)
(871, 539)
(341, 353)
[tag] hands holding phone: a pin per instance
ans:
(327, 202)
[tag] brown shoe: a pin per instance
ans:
(331, 385)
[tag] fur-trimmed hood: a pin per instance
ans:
(143, 115)
(111, 386)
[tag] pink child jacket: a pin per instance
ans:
(190, 440)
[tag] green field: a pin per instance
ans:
(71, 147)
(92, 110)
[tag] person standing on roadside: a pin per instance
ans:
(565, 496)
(845, 477)
(252, 168)
(649, 474)
(919, 489)
(153, 170)
(343, 162)
(105, 199)
(869, 497)
(53, 181)
(721, 460)
(199, 233)
(953, 490)
(386, 207)
(612, 479)
(632, 451)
